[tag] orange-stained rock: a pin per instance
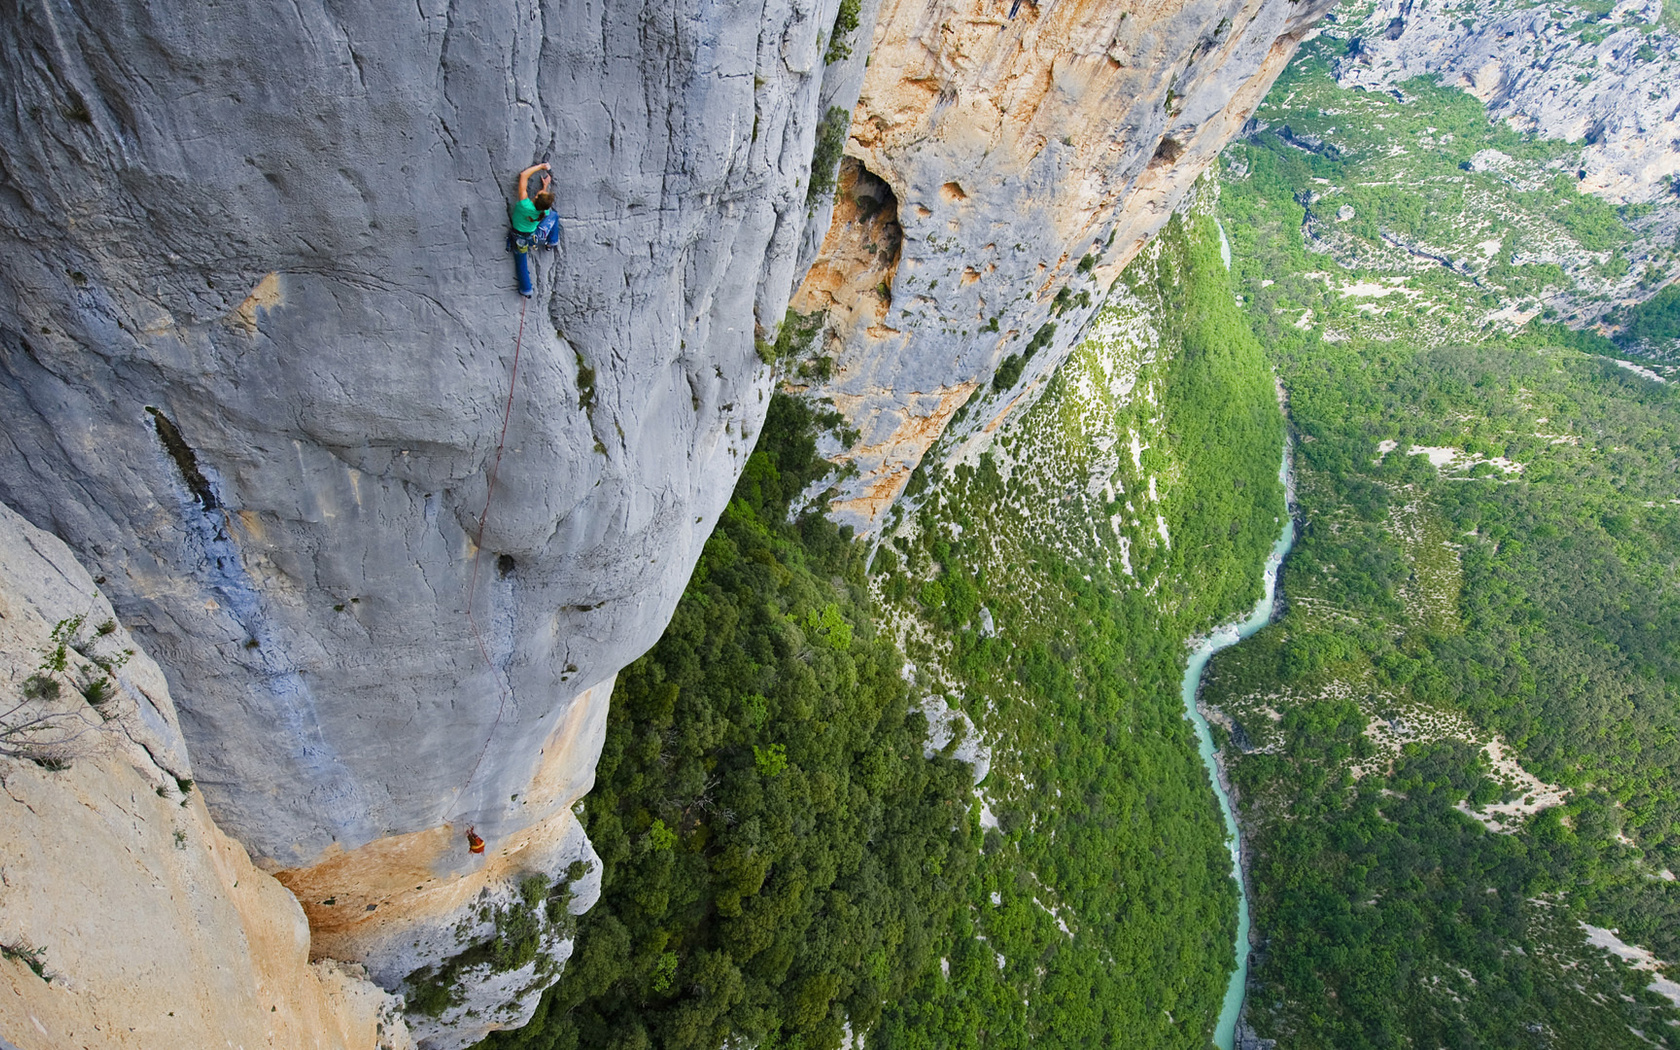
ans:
(154, 928)
(400, 903)
(1022, 159)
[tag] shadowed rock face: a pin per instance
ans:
(1028, 158)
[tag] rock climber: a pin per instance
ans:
(534, 222)
(474, 843)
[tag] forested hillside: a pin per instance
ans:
(791, 855)
(940, 793)
(1462, 742)
(1046, 587)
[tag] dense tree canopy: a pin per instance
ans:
(1522, 587)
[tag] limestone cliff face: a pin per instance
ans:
(1605, 81)
(258, 333)
(1001, 171)
(257, 336)
(1610, 81)
(148, 927)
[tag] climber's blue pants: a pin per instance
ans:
(547, 234)
(548, 230)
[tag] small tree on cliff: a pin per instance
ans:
(44, 726)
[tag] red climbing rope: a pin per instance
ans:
(478, 551)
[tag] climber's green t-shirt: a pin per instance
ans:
(525, 216)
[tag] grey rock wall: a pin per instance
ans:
(157, 929)
(272, 235)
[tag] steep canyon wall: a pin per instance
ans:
(258, 331)
(1582, 74)
(128, 918)
(1007, 161)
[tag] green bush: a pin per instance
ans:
(825, 157)
(840, 37)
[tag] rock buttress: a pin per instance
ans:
(257, 335)
(1027, 159)
(130, 920)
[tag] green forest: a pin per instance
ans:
(779, 859)
(1105, 888)
(1490, 552)
(1458, 746)
(783, 866)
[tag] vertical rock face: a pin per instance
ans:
(1005, 161)
(258, 330)
(130, 919)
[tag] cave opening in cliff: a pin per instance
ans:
(866, 200)
(855, 270)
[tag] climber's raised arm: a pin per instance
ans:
(525, 179)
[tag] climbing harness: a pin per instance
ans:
(474, 843)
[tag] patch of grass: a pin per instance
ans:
(97, 692)
(585, 384)
(1008, 373)
(34, 958)
(40, 686)
(1040, 339)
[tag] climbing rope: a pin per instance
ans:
(490, 489)
(478, 552)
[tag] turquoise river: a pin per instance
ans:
(1224, 1035)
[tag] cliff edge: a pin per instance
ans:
(128, 918)
(258, 333)
(1003, 165)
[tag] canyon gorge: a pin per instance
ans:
(381, 538)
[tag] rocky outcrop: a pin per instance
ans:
(1005, 161)
(1605, 81)
(128, 919)
(1608, 80)
(258, 331)
(430, 917)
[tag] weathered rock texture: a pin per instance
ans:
(155, 929)
(1610, 81)
(408, 904)
(1002, 171)
(257, 333)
